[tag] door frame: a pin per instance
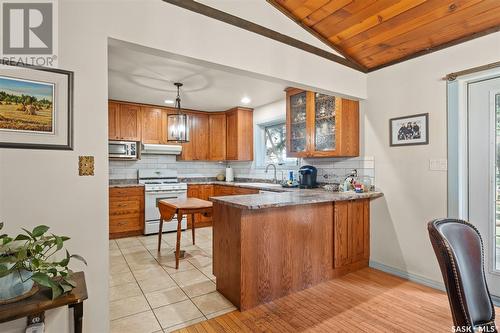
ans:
(458, 152)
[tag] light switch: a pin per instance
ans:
(438, 165)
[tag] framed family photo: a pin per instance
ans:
(36, 107)
(409, 130)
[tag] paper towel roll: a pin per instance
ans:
(229, 174)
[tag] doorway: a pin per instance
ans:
(483, 161)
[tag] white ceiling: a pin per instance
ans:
(141, 75)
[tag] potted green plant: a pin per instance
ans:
(28, 260)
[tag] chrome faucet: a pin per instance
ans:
(275, 180)
(348, 180)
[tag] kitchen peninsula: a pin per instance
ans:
(269, 245)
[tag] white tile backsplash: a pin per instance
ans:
(330, 170)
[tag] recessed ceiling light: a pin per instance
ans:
(245, 100)
(169, 101)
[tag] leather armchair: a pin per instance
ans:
(459, 250)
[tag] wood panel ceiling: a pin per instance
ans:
(378, 33)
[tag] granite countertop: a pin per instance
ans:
(290, 198)
(124, 183)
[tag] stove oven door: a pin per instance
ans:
(152, 198)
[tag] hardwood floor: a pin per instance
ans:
(364, 301)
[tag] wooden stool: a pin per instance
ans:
(181, 207)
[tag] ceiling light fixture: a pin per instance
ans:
(178, 124)
(245, 100)
(169, 101)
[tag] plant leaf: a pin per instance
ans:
(1, 225)
(42, 279)
(39, 230)
(57, 290)
(28, 232)
(22, 254)
(66, 287)
(6, 240)
(59, 242)
(70, 282)
(22, 237)
(79, 257)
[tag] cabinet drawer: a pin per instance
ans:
(125, 223)
(239, 190)
(126, 191)
(124, 206)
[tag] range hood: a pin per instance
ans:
(154, 149)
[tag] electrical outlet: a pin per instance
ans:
(438, 165)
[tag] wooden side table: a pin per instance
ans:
(181, 207)
(42, 301)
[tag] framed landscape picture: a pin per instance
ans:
(36, 107)
(409, 130)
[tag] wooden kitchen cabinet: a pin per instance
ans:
(200, 191)
(197, 149)
(126, 211)
(351, 232)
(239, 134)
(124, 121)
(151, 123)
(320, 125)
(113, 130)
(217, 137)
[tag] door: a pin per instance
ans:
(113, 130)
(484, 171)
(297, 122)
(129, 121)
(217, 137)
(151, 125)
(324, 130)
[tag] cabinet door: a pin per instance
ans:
(200, 137)
(342, 239)
(232, 135)
(217, 137)
(113, 129)
(126, 211)
(324, 133)
(359, 233)
(151, 125)
(297, 130)
(206, 192)
(239, 134)
(130, 122)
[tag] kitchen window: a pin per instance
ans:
(275, 145)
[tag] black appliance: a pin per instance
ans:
(308, 175)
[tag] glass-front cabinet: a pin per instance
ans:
(320, 125)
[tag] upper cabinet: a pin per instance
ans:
(320, 125)
(239, 134)
(214, 136)
(124, 121)
(151, 125)
(197, 149)
(217, 136)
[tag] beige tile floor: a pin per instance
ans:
(148, 295)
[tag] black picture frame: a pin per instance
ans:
(69, 142)
(397, 142)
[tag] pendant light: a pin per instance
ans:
(178, 124)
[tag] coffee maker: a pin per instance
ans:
(308, 175)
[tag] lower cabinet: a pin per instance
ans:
(351, 232)
(204, 192)
(126, 211)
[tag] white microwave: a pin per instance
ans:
(123, 150)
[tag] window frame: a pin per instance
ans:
(260, 144)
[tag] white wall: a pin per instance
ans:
(44, 187)
(413, 194)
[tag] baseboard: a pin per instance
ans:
(417, 278)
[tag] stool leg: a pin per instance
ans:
(160, 233)
(192, 226)
(178, 244)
